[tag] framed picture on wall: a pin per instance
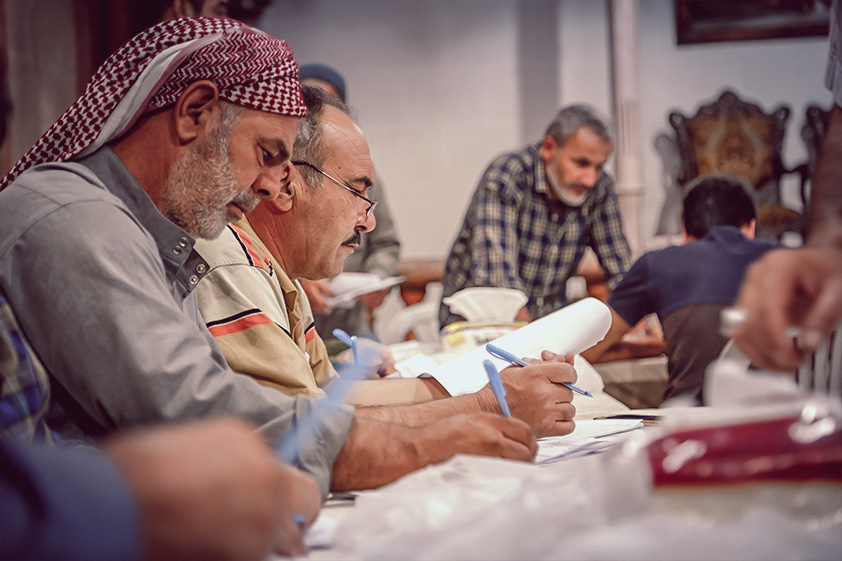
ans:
(703, 21)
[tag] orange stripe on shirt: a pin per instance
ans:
(260, 260)
(240, 325)
(310, 334)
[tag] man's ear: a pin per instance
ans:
(685, 237)
(182, 9)
(196, 111)
(749, 229)
(283, 202)
(548, 149)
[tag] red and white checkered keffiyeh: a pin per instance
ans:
(250, 68)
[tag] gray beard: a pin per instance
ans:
(563, 193)
(200, 185)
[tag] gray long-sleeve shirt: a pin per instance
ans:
(101, 283)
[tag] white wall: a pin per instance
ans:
(436, 86)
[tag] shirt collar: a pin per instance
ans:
(724, 233)
(174, 244)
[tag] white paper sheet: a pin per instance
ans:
(347, 286)
(589, 437)
(571, 329)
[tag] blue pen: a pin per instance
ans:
(350, 341)
(355, 349)
(512, 359)
(497, 387)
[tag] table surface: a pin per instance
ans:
(698, 518)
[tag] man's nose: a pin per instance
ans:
(589, 177)
(367, 223)
(268, 183)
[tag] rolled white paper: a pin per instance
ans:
(571, 329)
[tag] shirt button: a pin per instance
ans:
(201, 268)
(182, 242)
(177, 250)
(194, 279)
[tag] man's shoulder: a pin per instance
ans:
(512, 172)
(237, 245)
(521, 160)
(57, 184)
(41, 192)
(668, 255)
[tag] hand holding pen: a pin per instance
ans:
(512, 359)
(497, 387)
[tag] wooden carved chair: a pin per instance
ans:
(736, 137)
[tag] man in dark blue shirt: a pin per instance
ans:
(687, 286)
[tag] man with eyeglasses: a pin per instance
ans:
(252, 301)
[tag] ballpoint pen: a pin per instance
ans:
(512, 359)
(497, 387)
(350, 341)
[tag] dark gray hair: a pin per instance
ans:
(573, 117)
(309, 143)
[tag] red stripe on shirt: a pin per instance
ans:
(239, 325)
(309, 334)
(259, 260)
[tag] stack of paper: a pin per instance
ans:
(589, 437)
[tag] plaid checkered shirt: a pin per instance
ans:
(24, 386)
(515, 235)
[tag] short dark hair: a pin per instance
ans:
(717, 200)
(309, 145)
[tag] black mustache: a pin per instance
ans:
(356, 238)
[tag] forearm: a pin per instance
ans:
(423, 413)
(376, 453)
(406, 391)
(604, 350)
(610, 244)
(825, 215)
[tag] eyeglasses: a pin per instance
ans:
(371, 203)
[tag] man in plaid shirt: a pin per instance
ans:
(535, 212)
(24, 386)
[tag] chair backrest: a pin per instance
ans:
(734, 137)
(422, 319)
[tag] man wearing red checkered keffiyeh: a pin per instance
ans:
(250, 68)
(184, 128)
(187, 127)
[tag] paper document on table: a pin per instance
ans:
(571, 329)
(589, 437)
(347, 286)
